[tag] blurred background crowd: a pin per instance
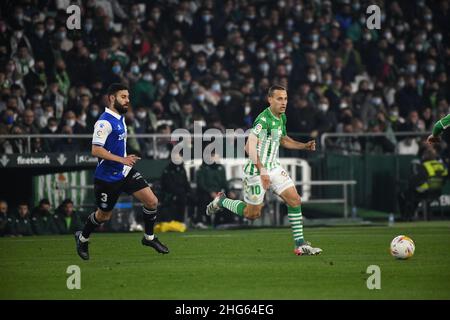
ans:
(213, 61)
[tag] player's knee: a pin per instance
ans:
(295, 201)
(151, 203)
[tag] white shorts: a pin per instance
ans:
(254, 191)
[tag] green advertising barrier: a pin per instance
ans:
(56, 187)
(379, 178)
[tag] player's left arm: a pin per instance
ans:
(438, 127)
(289, 143)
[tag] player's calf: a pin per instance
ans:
(103, 216)
(252, 212)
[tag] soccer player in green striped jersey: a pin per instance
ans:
(263, 170)
(439, 126)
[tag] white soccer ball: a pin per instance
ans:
(402, 247)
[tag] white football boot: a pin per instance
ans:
(306, 249)
(213, 206)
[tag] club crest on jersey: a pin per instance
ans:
(258, 128)
(122, 136)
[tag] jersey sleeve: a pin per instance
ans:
(441, 125)
(102, 129)
(259, 127)
(283, 125)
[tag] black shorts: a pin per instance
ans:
(107, 193)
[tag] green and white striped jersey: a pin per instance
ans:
(441, 125)
(269, 129)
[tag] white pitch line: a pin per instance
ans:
(207, 236)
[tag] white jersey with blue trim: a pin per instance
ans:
(110, 132)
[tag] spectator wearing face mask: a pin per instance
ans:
(203, 26)
(89, 35)
(49, 144)
(200, 68)
(24, 60)
(117, 74)
(407, 98)
(306, 115)
(172, 101)
(42, 49)
(67, 144)
(92, 115)
(134, 72)
(19, 39)
(326, 118)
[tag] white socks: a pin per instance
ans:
(147, 237)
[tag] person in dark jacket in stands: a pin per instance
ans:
(211, 180)
(6, 221)
(22, 223)
(42, 220)
(176, 191)
(67, 220)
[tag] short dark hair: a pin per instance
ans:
(44, 201)
(23, 203)
(274, 88)
(66, 201)
(115, 87)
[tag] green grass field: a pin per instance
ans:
(240, 264)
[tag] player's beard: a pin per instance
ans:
(122, 109)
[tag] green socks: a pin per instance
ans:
(296, 220)
(235, 206)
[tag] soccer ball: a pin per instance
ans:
(402, 247)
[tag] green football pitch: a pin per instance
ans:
(237, 264)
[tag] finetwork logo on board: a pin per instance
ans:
(33, 160)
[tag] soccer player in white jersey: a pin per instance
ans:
(263, 170)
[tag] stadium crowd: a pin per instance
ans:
(213, 61)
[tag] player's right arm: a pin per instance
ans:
(439, 126)
(102, 129)
(252, 151)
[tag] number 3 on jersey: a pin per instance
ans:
(104, 197)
